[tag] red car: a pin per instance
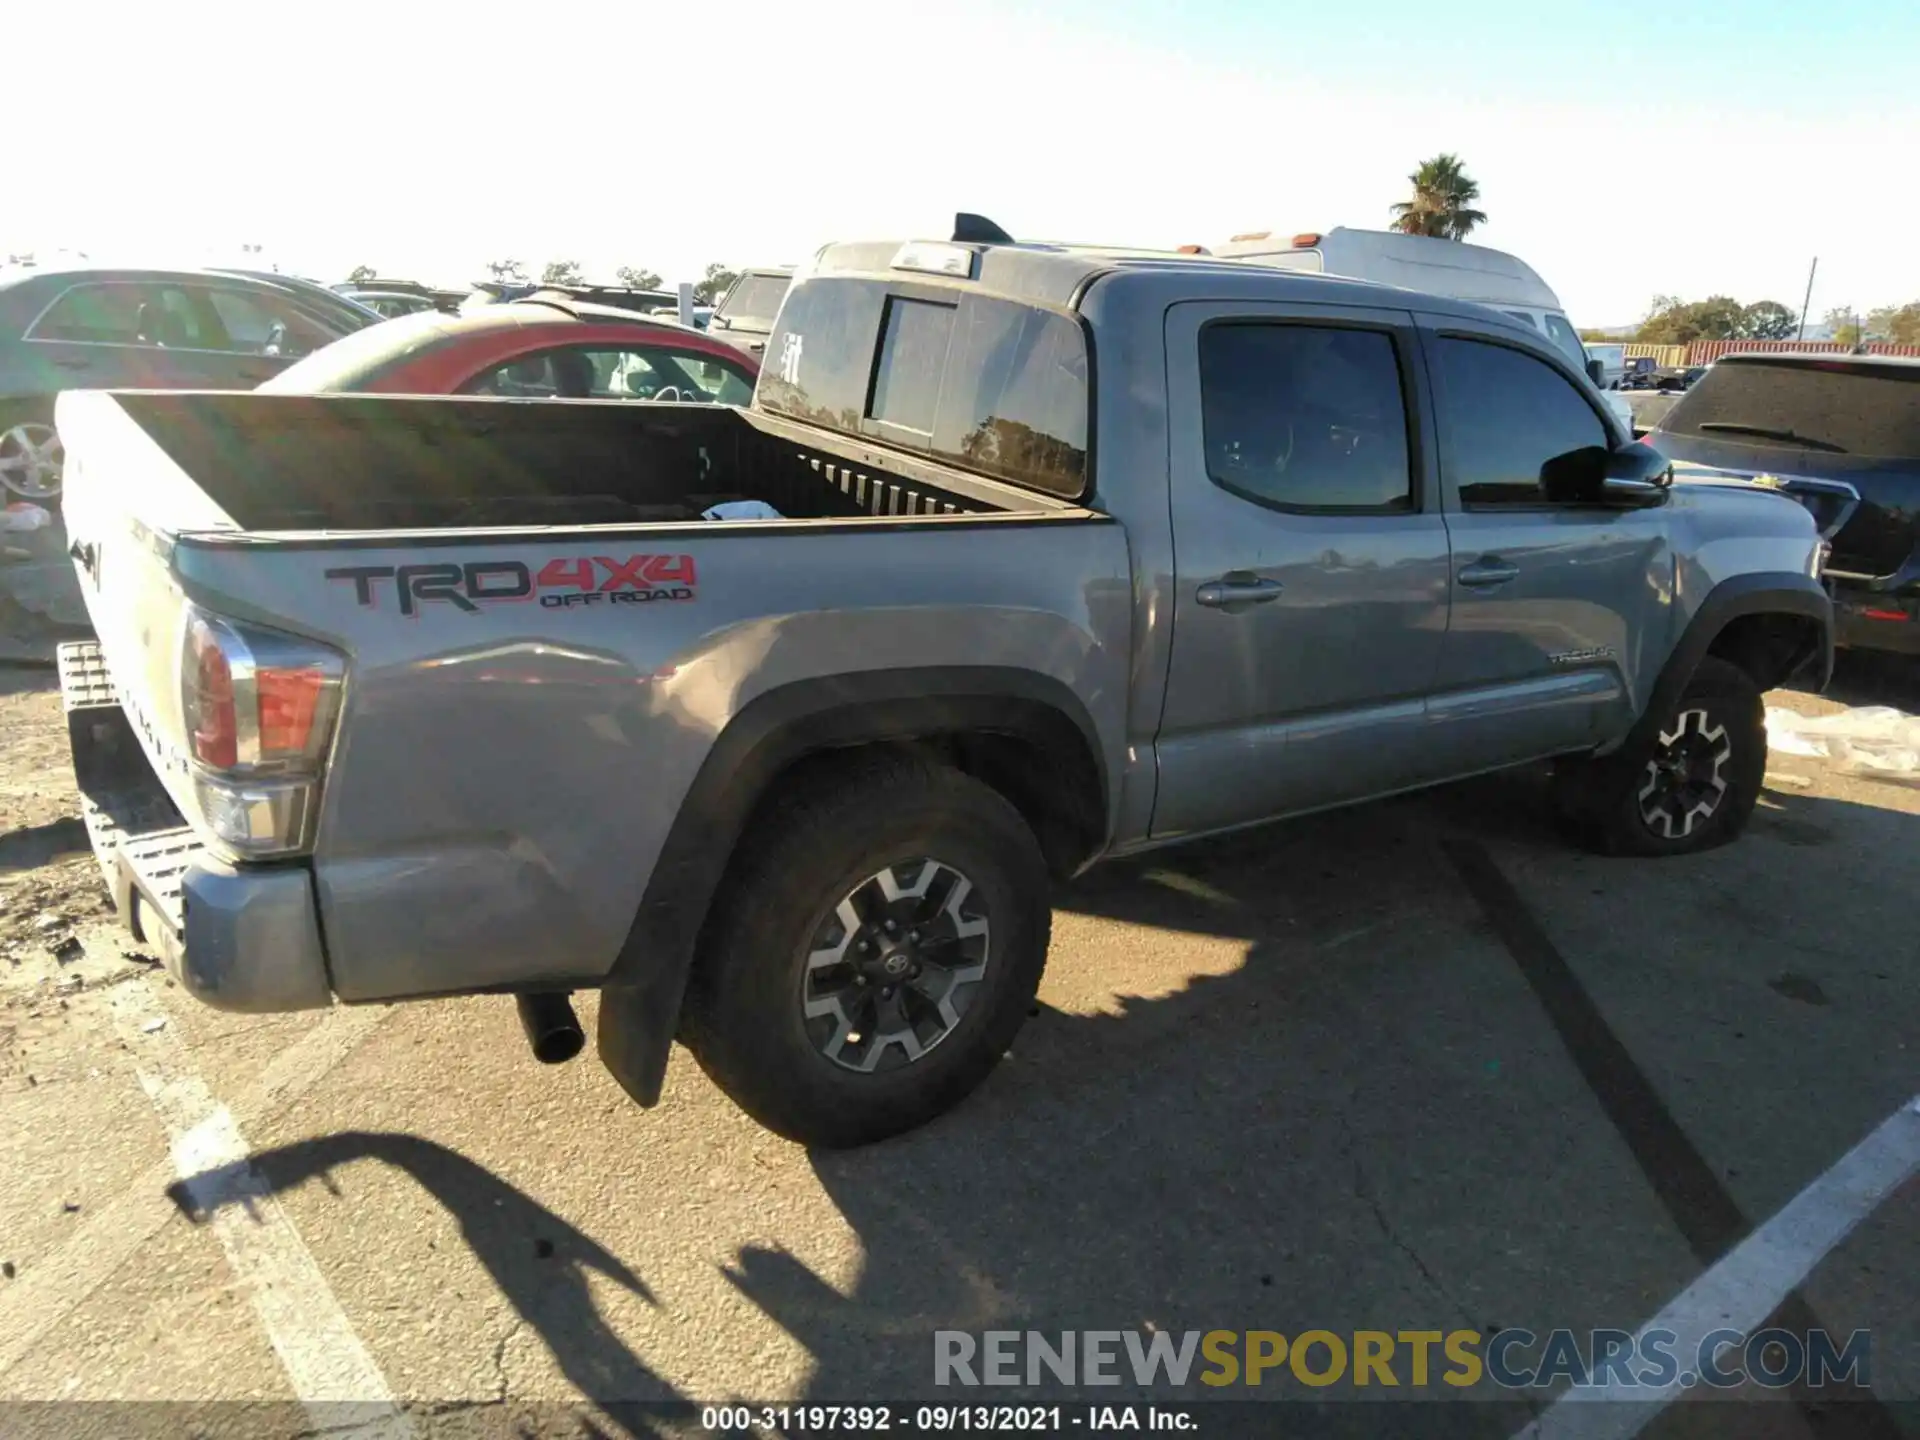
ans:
(542, 348)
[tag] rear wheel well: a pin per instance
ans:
(1052, 781)
(1768, 646)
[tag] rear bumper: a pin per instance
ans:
(241, 938)
(1875, 616)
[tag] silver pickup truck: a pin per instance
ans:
(1079, 554)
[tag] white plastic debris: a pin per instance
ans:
(22, 517)
(741, 510)
(158, 1023)
(1873, 737)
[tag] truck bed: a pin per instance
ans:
(519, 752)
(276, 463)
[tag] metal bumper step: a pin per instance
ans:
(143, 844)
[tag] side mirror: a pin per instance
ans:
(1636, 477)
(1633, 477)
(1596, 372)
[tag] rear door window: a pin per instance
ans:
(93, 315)
(1305, 417)
(991, 385)
(125, 314)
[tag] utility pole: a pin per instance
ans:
(1804, 304)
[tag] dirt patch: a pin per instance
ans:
(50, 887)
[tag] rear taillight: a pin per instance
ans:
(212, 726)
(259, 709)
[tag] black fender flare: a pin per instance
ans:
(1761, 593)
(642, 994)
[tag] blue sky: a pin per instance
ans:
(1623, 151)
(1776, 51)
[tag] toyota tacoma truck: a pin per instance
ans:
(1075, 554)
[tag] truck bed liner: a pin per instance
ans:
(362, 462)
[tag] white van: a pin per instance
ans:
(1450, 268)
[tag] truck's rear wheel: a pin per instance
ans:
(1692, 788)
(876, 948)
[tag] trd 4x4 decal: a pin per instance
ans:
(558, 584)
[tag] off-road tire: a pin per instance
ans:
(813, 849)
(1607, 805)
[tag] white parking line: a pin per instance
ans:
(1749, 1282)
(50, 1289)
(318, 1348)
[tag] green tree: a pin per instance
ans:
(361, 274)
(636, 277)
(561, 272)
(717, 282)
(1443, 196)
(507, 272)
(1680, 322)
(1767, 320)
(1898, 323)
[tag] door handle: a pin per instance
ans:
(1488, 571)
(1238, 587)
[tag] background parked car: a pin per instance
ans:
(745, 317)
(544, 348)
(618, 297)
(98, 328)
(391, 303)
(432, 298)
(350, 313)
(1824, 428)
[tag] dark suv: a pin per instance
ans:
(1841, 433)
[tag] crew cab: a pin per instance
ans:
(1076, 554)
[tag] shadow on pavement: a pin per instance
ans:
(1368, 1123)
(1338, 1104)
(1870, 677)
(539, 1261)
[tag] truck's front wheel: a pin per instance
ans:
(876, 947)
(1692, 788)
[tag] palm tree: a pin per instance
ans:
(1442, 193)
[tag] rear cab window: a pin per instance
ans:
(753, 301)
(994, 386)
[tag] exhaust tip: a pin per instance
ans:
(553, 1030)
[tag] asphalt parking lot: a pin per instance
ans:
(1413, 1066)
